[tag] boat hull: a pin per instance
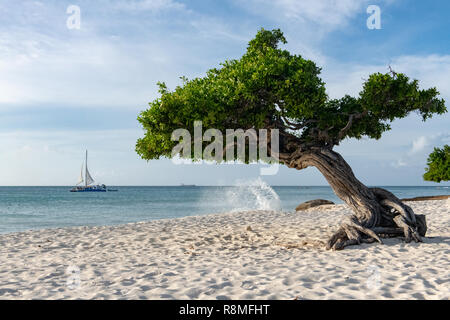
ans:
(87, 190)
(100, 188)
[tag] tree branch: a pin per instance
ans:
(296, 126)
(351, 118)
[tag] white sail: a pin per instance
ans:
(81, 178)
(89, 179)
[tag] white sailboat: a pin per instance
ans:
(86, 178)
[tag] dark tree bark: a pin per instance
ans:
(377, 213)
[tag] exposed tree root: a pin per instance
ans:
(396, 219)
(377, 213)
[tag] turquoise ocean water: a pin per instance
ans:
(25, 208)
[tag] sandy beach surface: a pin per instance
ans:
(249, 255)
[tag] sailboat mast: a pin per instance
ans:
(85, 171)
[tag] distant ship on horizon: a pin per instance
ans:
(187, 185)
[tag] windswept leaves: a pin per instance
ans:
(268, 87)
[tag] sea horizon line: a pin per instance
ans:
(201, 185)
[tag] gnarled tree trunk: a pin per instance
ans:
(377, 213)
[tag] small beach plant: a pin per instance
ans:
(270, 88)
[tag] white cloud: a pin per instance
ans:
(420, 148)
(93, 71)
(148, 5)
(399, 163)
(94, 67)
(418, 145)
(213, 27)
(328, 14)
(42, 62)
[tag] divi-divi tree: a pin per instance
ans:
(270, 88)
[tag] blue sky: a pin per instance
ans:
(66, 90)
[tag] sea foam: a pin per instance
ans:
(253, 194)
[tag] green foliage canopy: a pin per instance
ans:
(438, 165)
(269, 87)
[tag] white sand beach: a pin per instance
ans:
(250, 255)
